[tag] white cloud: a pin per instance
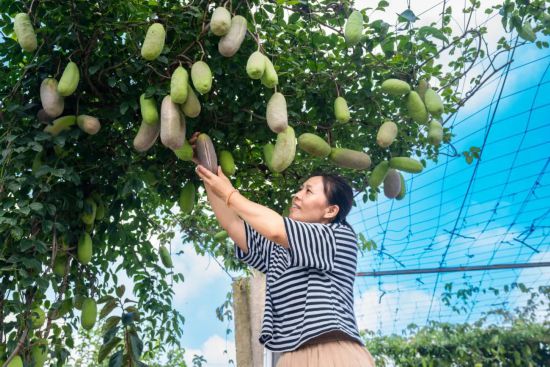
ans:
(216, 350)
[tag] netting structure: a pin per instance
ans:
(452, 249)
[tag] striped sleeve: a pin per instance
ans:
(259, 249)
(310, 244)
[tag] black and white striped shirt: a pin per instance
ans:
(309, 288)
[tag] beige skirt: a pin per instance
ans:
(332, 353)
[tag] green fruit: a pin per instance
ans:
(527, 33)
(285, 150)
(227, 162)
(53, 103)
(220, 236)
(187, 198)
(60, 124)
(172, 124)
(69, 80)
(396, 87)
(435, 133)
(16, 362)
(276, 113)
(185, 153)
(201, 77)
(38, 317)
(65, 307)
(231, 42)
(422, 87)
(84, 249)
(165, 257)
(25, 32)
(88, 124)
(268, 155)
(192, 106)
(386, 134)
(100, 209)
(154, 42)
(206, 154)
(314, 145)
(269, 78)
(178, 85)
(378, 174)
(392, 184)
(89, 313)
(146, 136)
(221, 21)
(341, 111)
(433, 102)
(354, 28)
(403, 191)
(39, 352)
(59, 265)
(406, 164)
(417, 109)
(149, 112)
(255, 66)
(90, 207)
(349, 158)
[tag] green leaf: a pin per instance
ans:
(426, 31)
(107, 348)
(407, 16)
(116, 359)
(110, 323)
(108, 308)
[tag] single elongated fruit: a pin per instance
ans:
(435, 132)
(90, 208)
(221, 21)
(406, 164)
(89, 313)
(285, 150)
(201, 77)
(268, 155)
(192, 106)
(255, 66)
(154, 42)
(276, 113)
(185, 153)
(314, 145)
(227, 162)
(84, 249)
(165, 257)
(39, 352)
(25, 32)
(341, 111)
(386, 134)
(60, 124)
(396, 87)
(378, 174)
(38, 317)
(146, 137)
(172, 124)
(88, 124)
(392, 184)
(187, 197)
(178, 85)
(417, 109)
(231, 42)
(433, 102)
(221, 235)
(270, 78)
(527, 33)
(53, 103)
(349, 158)
(206, 154)
(15, 362)
(148, 108)
(354, 28)
(422, 87)
(69, 80)
(59, 264)
(403, 190)
(100, 210)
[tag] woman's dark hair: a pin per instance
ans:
(338, 192)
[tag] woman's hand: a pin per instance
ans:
(218, 184)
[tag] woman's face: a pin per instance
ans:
(310, 204)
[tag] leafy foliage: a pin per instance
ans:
(45, 180)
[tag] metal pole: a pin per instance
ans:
(451, 269)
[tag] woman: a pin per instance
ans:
(309, 258)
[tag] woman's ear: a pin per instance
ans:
(332, 211)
